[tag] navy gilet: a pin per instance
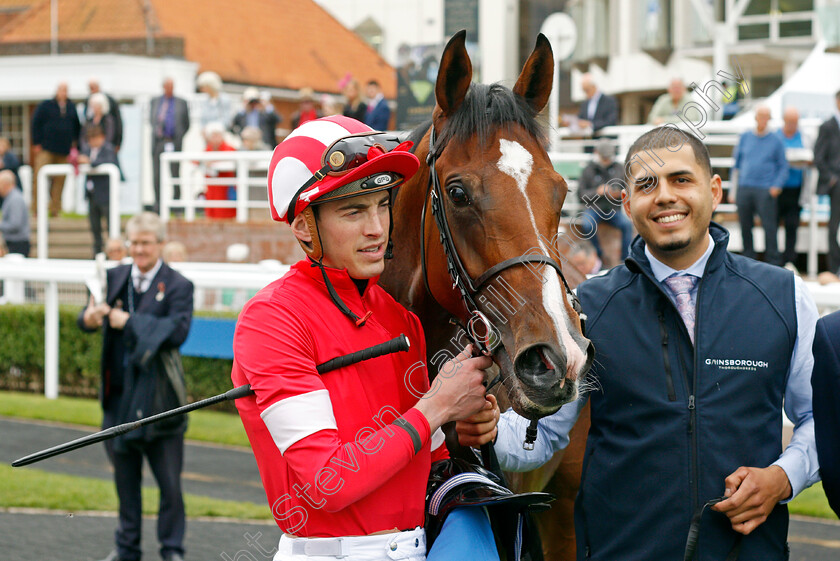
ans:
(670, 421)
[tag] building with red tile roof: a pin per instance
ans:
(281, 44)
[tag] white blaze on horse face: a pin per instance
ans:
(517, 162)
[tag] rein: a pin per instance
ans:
(461, 279)
(694, 534)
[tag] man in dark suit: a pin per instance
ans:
(145, 317)
(98, 187)
(55, 129)
(825, 382)
(255, 115)
(170, 118)
(378, 112)
(827, 160)
(599, 110)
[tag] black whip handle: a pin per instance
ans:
(112, 432)
(395, 345)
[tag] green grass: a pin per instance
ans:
(206, 426)
(32, 488)
(812, 502)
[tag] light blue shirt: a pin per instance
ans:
(799, 459)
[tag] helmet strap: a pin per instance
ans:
(316, 250)
(389, 249)
(339, 303)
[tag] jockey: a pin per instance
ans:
(345, 456)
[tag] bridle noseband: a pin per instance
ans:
(461, 279)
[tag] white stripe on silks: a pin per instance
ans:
(324, 131)
(294, 418)
(438, 439)
(289, 175)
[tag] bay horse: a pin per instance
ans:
(488, 258)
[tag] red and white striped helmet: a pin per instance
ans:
(322, 155)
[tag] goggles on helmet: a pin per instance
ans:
(352, 151)
(348, 153)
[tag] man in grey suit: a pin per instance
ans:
(170, 118)
(827, 160)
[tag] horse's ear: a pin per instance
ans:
(454, 75)
(537, 77)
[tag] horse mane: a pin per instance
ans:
(484, 110)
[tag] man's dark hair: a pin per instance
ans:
(373, 83)
(94, 131)
(672, 139)
(837, 95)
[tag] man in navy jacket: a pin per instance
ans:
(145, 318)
(55, 128)
(826, 384)
(695, 350)
(98, 187)
(378, 112)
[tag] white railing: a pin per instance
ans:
(43, 185)
(192, 180)
(25, 174)
(15, 271)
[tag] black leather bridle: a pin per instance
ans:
(461, 279)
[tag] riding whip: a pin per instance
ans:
(397, 344)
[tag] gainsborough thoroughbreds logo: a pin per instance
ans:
(737, 364)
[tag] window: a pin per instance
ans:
(795, 28)
(753, 31)
(15, 127)
(796, 5)
(758, 8)
(592, 19)
(655, 24)
(775, 20)
(766, 7)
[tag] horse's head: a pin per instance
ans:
(502, 199)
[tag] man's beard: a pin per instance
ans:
(674, 245)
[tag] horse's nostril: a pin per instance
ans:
(540, 366)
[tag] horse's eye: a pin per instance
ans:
(458, 195)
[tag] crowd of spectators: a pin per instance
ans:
(767, 177)
(60, 135)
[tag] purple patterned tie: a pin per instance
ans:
(681, 286)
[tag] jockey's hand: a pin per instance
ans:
(458, 390)
(479, 428)
(752, 494)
